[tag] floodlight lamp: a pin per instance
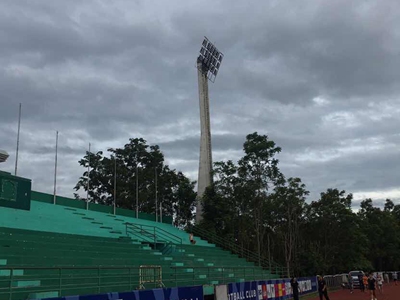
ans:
(3, 156)
(209, 59)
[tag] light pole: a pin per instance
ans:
(3, 156)
(208, 63)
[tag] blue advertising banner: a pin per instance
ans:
(278, 289)
(181, 293)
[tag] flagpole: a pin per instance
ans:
(55, 171)
(137, 192)
(17, 152)
(115, 183)
(155, 171)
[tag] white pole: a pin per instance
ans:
(137, 192)
(161, 212)
(55, 171)
(115, 183)
(155, 171)
(88, 181)
(19, 126)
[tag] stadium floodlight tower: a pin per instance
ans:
(3, 156)
(208, 63)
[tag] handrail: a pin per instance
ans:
(155, 232)
(239, 250)
(133, 226)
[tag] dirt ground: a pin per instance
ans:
(390, 292)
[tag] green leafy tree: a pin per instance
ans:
(139, 168)
(289, 206)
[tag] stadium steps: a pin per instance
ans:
(53, 235)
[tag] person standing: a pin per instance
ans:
(322, 288)
(379, 281)
(365, 282)
(295, 288)
(361, 282)
(372, 286)
(350, 280)
(386, 276)
(395, 278)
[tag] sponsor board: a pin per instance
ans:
(271, 289)
(181, 293)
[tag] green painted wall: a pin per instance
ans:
(69, 202)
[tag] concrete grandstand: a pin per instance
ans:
(49, 250)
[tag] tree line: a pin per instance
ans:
(254, 205)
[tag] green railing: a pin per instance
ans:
(242, 252)
(153, 234)
(67, 281)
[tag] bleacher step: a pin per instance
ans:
(87, 218)
(3, 262)
(199, 259)
(8, 272)
(116, 231)
(209, 264)
(99, 223)
(201, 276)
(106, 227)
(79, 214)
(25, 283)
(157, 253)
(190, 255)
(189, 270)
(214, 282)
(44, 295)
(231, 275)
(177, 264)
(166, 258)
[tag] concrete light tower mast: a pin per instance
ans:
(208, 63)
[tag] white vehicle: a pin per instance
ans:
(355, 276)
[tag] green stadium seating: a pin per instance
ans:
(54, 250)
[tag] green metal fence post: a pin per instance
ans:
(11, 280)
(59, 281)
(99, 280)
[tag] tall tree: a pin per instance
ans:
(139, 163)
(289, 204)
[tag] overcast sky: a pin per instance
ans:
(320, 78)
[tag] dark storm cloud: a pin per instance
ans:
(320, 78)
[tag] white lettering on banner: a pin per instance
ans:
(242, 295)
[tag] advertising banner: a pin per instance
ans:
(278, 289)
(181, 293)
